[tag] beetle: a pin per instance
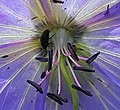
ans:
(45, 39)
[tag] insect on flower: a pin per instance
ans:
(45, 39)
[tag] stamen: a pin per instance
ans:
(42, 59)
(61, 98)
(72, 51)
(82, 58)
(73, 74)
(54, 55)
(43, 74)
(59, 80)
(55, 98)
(42, 80)
(50, 60)
(92, 58)
(34, 84)
(83, 69)
(65, 54)
(83, 91)
(72, 59)
(58, 57)
(5, 56)
(58, 1)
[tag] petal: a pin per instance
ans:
(12, 14)
(41, 99)
(111, 16)
(16, 68)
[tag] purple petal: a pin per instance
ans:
(16, 88)
(14, 13)
(65, 92)
(41, 99)
(113, 12)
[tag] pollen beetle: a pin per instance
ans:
(45, 39)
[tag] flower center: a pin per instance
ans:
(61, 49)
(61, 37)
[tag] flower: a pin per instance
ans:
(66, 50)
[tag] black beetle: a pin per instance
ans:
(45, 39)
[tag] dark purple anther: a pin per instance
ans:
(61, 98)
(43, 74)
(50, 60)
(42, 59)
(72, 51)
(83, 69)
(83, 91)
(34, 84)
(55, 98)
(92, 58)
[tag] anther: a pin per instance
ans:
(34, 84)
(81, 90)
(42, 59)
(72, 51)
(61, 98)
(55, 98)
(92, 58)
(50, 60)
(83, 69)
(43, 74)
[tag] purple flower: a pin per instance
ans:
(59, 55)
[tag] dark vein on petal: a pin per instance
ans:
(58, 1)
(5, 56)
